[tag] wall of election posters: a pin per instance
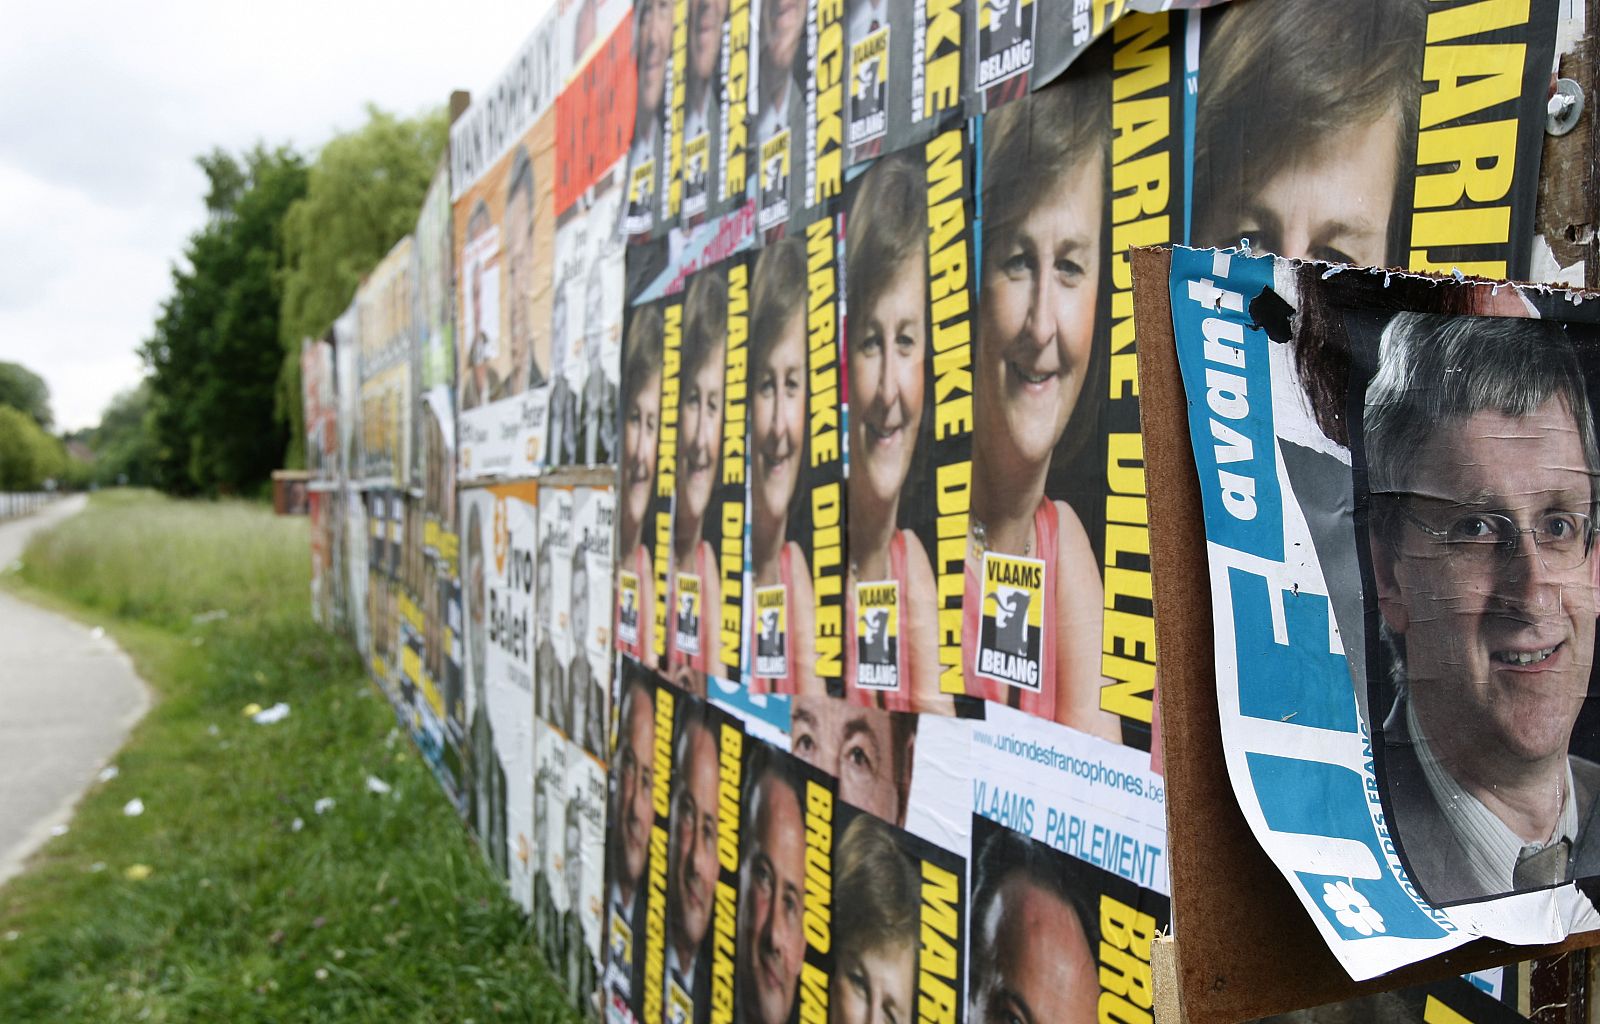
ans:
(737, 483)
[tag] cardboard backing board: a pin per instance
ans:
(1243, 945)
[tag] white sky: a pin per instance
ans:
(107, 104)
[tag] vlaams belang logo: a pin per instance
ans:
(1010, 634)
(878, 635)
(772, 633)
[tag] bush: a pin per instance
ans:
(28, 455)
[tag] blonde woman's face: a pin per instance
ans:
(639, 435)
(888, 356)
(778, 423)
(1036, 319)
(699, 438)
(874, 986)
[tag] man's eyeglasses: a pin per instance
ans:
(1483, 539)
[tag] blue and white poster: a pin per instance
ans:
(1397, 475)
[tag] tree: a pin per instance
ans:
(125, 441)
(214, 356)
(362, 196)
(25, 391)
(28, 455)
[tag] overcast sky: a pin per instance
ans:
(107, 104)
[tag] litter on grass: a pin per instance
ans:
(133, 808)
(109, 772)
(377, 785)
(323, 805)
(271, 716)
(297, 824)
(58, 830)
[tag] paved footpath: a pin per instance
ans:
(67, 701)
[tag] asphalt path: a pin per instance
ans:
(68, 697)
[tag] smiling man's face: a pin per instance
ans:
(1498, 644)
(635, 778)
(705, 36)
(770, 941)
(693, 869)
(1031, 960)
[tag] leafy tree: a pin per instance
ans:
(28, 455)
(214, 357)
(125, 441)
(362, 196)
(24, 390)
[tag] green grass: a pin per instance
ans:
(379, 910)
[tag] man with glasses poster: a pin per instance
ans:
(1481, 456)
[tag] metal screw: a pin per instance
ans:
(1564, 108)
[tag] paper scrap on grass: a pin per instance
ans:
(271, 716)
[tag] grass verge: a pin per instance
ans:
(255, 907)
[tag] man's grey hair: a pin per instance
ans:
(1436, 368)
